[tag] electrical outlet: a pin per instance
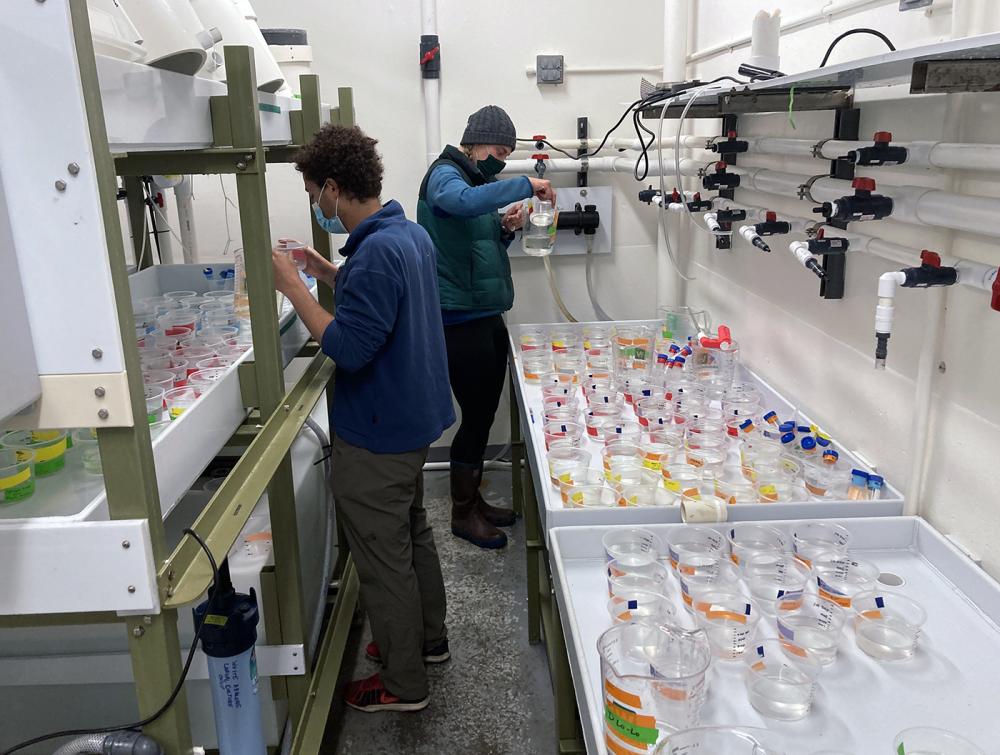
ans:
(549, 69)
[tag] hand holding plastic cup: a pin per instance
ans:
(296, 250)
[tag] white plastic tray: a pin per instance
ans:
(860, 703)
(554, 514)
(181, 451)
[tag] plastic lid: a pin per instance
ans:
(863, 184)
(788, 437)
(768, 415)
(875, 480)
(231, 627)
(883, 136)
(822, 442)
(787, 427)
(804, 429)
(859, 473)
(808, 443)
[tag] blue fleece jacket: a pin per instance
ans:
(392, 393)
(448, 193)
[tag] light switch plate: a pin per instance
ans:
(549, 69)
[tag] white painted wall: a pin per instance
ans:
(373, 47)
(818, 352)
(821, 352)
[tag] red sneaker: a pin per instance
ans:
(437, 654)
(370, 695)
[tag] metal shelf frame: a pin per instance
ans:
(265, 466)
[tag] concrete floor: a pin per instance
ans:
(494, 696)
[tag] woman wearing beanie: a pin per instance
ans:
(458, 205)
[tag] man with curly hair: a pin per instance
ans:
(391, 401)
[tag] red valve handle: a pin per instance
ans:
(821, 233)
(720, 167)
(930, 258)
(995, 299)
(731, 134)
(676, 196)
(863, 184)
(540, 156)
(883, 137)
(723, 341)
(538, 137)
(770, 216)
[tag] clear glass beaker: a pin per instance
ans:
(653, 682)
(720, 740)
(539, 235)
(925, 739)
(678, 323)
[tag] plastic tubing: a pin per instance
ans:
(555, 291)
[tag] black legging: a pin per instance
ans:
(477, 366)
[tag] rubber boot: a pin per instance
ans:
(467, 521)
(498, 517)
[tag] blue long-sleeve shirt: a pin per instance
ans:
(448, 193)
(392, 393)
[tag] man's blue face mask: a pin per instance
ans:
(330, 225)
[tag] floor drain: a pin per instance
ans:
(889, 579)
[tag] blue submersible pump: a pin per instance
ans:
(228, 637)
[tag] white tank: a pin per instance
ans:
(239, 27)
(172, 35)
(113, 32)
(291, 50)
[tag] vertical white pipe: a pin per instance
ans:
(431, 87)
(185, 220)
(676, 13)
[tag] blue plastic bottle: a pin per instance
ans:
(228, 639)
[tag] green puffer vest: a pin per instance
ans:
(473, 267)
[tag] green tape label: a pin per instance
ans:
(901, 750)
(51, 466)
(216, 620)
(631, 731)
(18, 492)
(268, 108)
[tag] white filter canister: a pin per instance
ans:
(764, 40)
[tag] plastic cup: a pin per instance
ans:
(179, 295)
(925, 740)
(678, 478)
(194, 354)
(562, 460)
(17, 474)
(579, 475)
(653, 681)
(729, 619)
(225, 332)
(569, 365)
(783, 468)
(90, 451)
(219, 319)
(721, 740)
(534, 364)
(179, 400)
(49, 447)
(159, 378)
(653, 577)
(556, 430)
(621, 451)
(560, 402)
(781, 680)
(757, 450)
(223, 296)
(214, 363)
(553, 385)
(655, 454)
(775, 579)
(640, 605)
(622, 430)
(810, 539)
(746, 540)
(589, 495)
(154, 404)
(532, 339)
(700, 504)
(652, 406)
(779, 490)
(887, 624)
(642, 494)
(599, 415)
(813, 625)
(631, 546)
(825, 480)
(732, 487)
(294, 250)
(175, 322)
(150, 354)
(564, 338)
(699, 573)
(702, 541)
(840, 578)
(709, 460)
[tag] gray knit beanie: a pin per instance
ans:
(490, 125)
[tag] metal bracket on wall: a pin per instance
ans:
(847, 123)
(582, 132)
(729, 123)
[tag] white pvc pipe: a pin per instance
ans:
(619, 143)
(915, 205)
(531, 71)
(676, 14)
(185, 220)
(431, 87)
(945, 155)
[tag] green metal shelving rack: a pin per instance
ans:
(265, 465)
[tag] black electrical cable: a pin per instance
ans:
(173, 695)
(861, 30)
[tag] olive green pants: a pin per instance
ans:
(380, 504)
